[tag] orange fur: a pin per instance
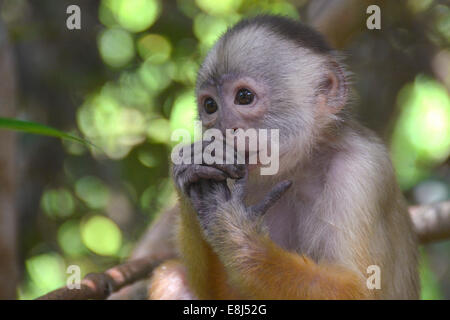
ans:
(269, 272)
(206, 273)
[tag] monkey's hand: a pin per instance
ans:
(207, 180)
(220, 209)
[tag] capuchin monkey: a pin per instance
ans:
(331, 224)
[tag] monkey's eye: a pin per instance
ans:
(210, 105)
(244, 96)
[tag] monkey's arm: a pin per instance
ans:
(260, 269)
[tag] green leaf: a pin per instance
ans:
(36, 128)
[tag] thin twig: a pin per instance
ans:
(100, 285)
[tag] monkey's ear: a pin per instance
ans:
(333, 90)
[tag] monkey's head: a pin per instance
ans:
(271, 72)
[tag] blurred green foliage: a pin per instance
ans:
(428, 282)
(150, 92)
(421, 138)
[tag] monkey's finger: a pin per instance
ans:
(274, 195)
(234, 171)
(240, 187)
(208, 173)
(195, 173)
(186, 175)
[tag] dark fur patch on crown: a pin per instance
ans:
(287, 28)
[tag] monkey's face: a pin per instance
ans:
(255, 79)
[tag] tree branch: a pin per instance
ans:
(100, 285)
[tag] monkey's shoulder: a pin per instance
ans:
(363, 166)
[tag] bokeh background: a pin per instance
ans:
(125, 81)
